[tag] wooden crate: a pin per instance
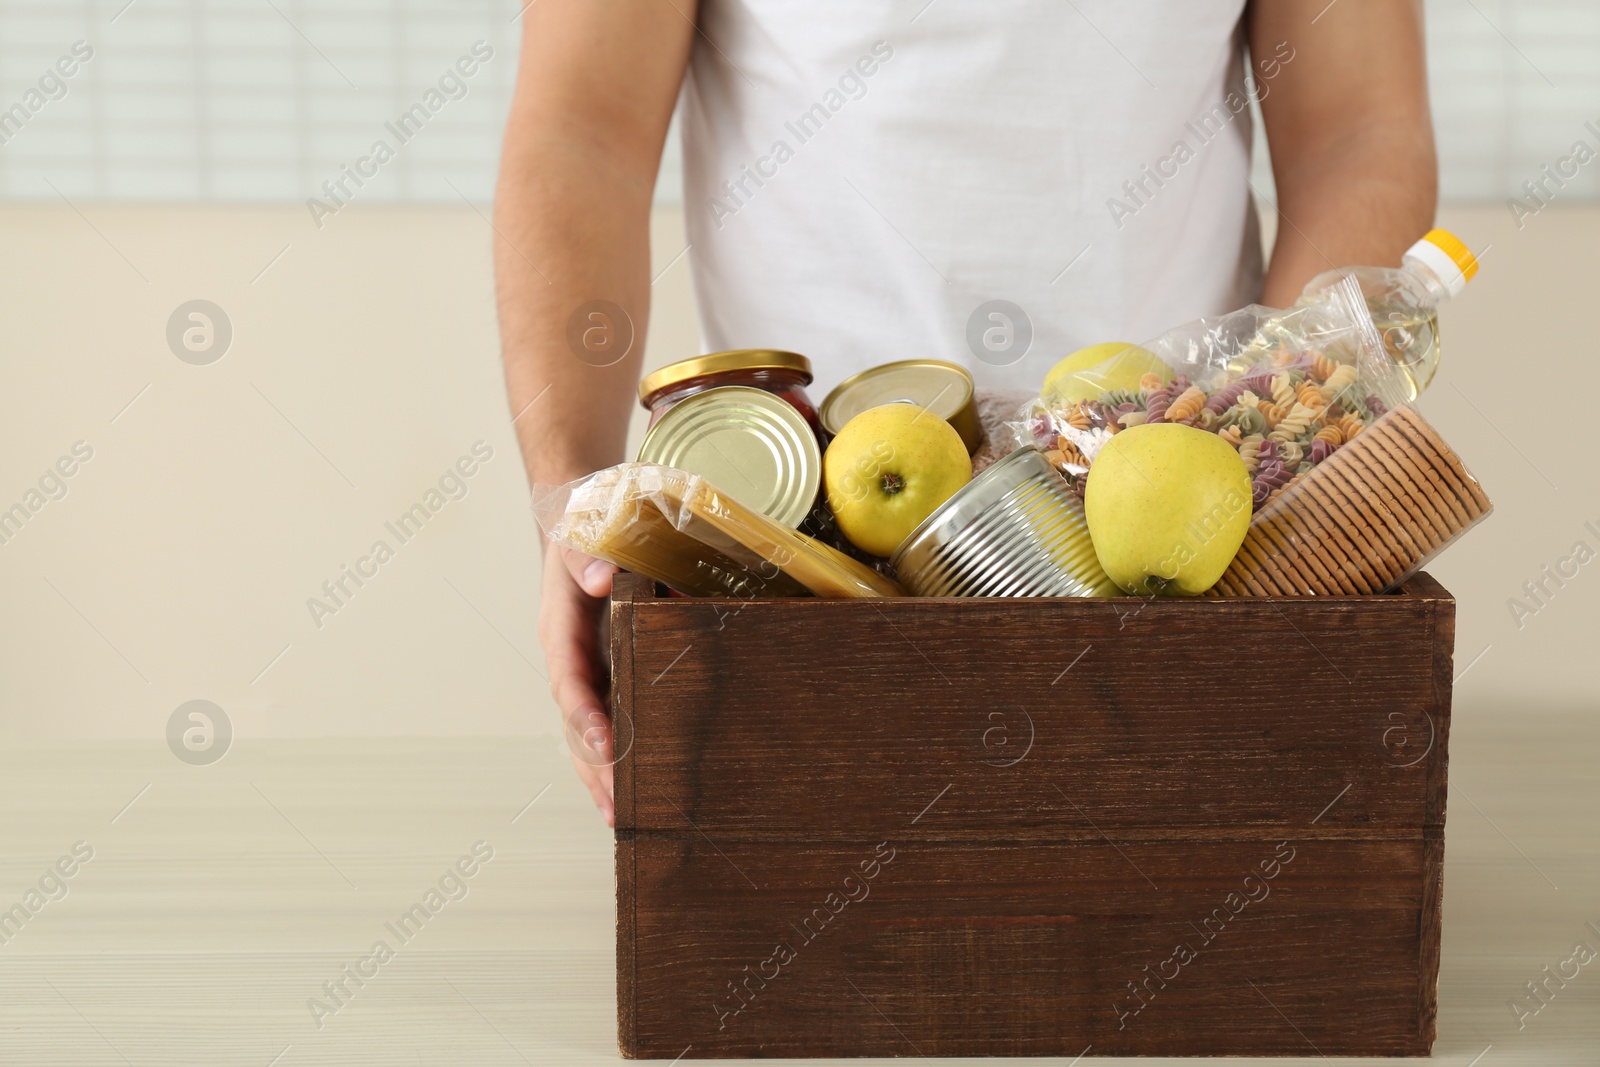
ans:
(1029, 827)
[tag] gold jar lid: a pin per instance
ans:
(737, 359)
(748, 443)
(943, 388)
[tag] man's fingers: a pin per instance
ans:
(568, 628)
(591, 575)
(584, 719)
(602, 796)
(589, 734)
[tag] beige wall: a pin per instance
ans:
(182, 556)
(365, 362)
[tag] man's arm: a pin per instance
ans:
(1351, 136)
(595, 93)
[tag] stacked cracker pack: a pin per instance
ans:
(1363, 520)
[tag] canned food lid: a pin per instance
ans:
(944, 388)
(749, 443)
(720, 362)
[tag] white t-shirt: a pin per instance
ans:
(863, 177)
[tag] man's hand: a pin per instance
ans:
(595, 92)
(575, 588)
(1351, 137)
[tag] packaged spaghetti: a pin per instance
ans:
(678, 529)
(1352, 490)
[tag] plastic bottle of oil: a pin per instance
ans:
(1405, 301)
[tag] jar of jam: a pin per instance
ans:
(785, 374)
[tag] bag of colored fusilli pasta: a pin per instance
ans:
(1352, 490)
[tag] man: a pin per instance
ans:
(862, 177)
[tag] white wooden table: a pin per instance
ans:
(220, 899)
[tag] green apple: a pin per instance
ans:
(888, 469)
(1088, 372)
(1168, 506)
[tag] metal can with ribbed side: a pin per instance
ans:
(1015, 530)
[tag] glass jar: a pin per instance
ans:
(785, 374)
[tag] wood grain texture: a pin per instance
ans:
(630, 587)
(1026, 950)
(1041, 717)
(1071, 779)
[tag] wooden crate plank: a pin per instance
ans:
(964, 949)
(1188, 714)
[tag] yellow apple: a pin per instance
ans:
(1088, 372)
(888, 469)
(1168, 506)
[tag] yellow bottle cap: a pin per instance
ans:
(1456, 249)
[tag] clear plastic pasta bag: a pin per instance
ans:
(1352, 490)
(680, 530)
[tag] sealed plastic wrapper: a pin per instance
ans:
(1352, 490)
(1370, 516)
(678, 529)
(995, 408)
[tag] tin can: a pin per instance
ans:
(749, 443)
(1015, 530)
(943, 388)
